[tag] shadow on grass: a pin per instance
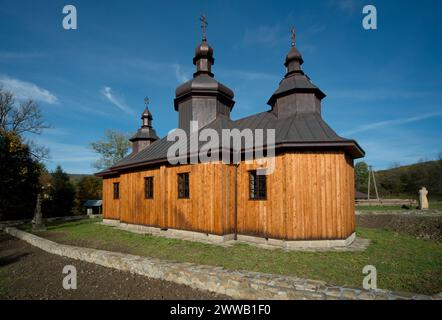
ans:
(12, 258)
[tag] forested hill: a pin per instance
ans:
(75, 177)
(407, 180)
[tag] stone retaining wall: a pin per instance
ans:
(411, 212)
(237, 284)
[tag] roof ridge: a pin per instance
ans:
(250, 116)
(323, 124)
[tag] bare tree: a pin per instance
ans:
(22, 118)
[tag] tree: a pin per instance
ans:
(60, 195)
(88, 188)
(361, 176)
(407, 180)
(113, 148)
(20, 168)
(19, 178)
(19, 119)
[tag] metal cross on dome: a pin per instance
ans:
(146, 101)
(292, 30)
(204, 25)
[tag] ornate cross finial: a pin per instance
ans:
(292, 31)
(146, 101)
(204, 24)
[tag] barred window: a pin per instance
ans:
(116, 190)
(257, 186)
(183, 185)
(148, 187)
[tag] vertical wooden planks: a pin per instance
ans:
(310, 195)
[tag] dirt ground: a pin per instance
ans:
(422, 227)
(27, 272)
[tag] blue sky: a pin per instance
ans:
(383, 87)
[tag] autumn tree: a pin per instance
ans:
(113, 148)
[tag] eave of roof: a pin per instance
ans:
(304, 131)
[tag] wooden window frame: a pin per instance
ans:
(183, 183)
(116, 190)
(257, 186)
(148, 187)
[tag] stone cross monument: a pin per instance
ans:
(37, 222)
(423, 201)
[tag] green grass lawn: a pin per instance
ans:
(403, 263)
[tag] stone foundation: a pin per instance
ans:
(297, 244)
(171, 233)
(230, 238)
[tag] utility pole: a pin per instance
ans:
(368, 188)
(371, 175)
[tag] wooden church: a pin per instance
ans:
(308, 200)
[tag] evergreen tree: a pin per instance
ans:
(61, 195)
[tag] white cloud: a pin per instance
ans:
(347, 6)
(156, 72)
(376, 94)
(392, 122)
(27, 90)
(265, 35)
(384, 151)
(179, 74)
(248, 75)
(118, 102)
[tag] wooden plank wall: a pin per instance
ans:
(310, 195)
(111, 207)
(209, 208)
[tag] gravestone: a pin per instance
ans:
(423, 200)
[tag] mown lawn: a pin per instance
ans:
(403, 263)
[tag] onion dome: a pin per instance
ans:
(294, 81)
(203, 82)
(146, 135)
